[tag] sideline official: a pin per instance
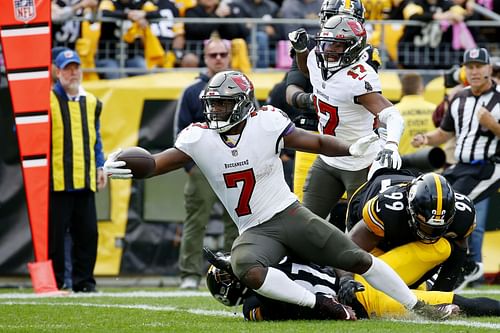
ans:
(473, 117)
(76, 173)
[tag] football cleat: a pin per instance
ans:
(435, 312)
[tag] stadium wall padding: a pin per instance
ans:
(140, 234)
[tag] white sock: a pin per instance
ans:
(382, 277)
(277, 285)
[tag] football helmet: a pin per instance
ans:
(431, 203)
(339, 44)
(228, 99)
(330, 8)
(225, 287)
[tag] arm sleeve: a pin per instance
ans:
(99, 154)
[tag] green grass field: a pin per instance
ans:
(171, 310)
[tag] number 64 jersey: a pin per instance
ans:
(382, 204)
(338, 111)
(248, 176)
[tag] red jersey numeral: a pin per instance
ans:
(357, 72)
(247, 177)
(332, 113)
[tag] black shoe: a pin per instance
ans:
(328, 307)
(471, 271)
(88, 288)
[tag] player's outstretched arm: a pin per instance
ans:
(309, 142)
(169, 160)
(327, 145)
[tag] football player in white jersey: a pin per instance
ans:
(349, 103)
(237, 149)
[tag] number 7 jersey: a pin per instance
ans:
(247, 177)
(338, 111)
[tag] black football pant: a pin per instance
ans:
(74, 211)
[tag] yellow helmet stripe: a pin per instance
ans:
(347, 4)
(439, 191)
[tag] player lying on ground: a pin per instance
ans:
(366, 301)
(238, 150)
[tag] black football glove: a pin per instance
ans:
(348, 290)
(299, 40)
(219, 260)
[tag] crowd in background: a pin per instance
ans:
(148, 36)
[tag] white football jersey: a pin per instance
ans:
(248, 178)
(339, 115)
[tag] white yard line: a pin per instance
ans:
(218, 313)
(148, 307)
(475, 324)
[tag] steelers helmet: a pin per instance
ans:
(330, 8)
(431, 203)
(228, 99)
(225, 287)
(339, 44)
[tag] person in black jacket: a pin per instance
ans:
(198, 32)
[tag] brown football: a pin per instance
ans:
(139, 160)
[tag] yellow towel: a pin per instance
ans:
(239, 56)
(86, 47)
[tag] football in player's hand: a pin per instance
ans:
(139, 160)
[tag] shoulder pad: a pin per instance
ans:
(272, 119)
(192, 133)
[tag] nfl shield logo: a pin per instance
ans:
(234, 152)
(24, 10)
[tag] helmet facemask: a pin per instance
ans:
(227, 101)
(339, 44)
(225, 288)
(431, 204)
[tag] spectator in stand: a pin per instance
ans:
(432, 46)
(66, 31)
(196, 33)
(150, 32)
(300, 9)
(416, 111)
(267, 34)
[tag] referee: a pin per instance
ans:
(474, 118)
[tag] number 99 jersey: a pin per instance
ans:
(382, 204)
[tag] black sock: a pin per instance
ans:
(478, 306)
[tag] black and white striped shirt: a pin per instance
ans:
(474, 142)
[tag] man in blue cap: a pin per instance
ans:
(76, 173)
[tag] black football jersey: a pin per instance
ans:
(317, 279)
(383, 205)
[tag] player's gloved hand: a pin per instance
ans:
(348, 290)
(360, 147)
(299, 40)
(114, 169)
(389, 156)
